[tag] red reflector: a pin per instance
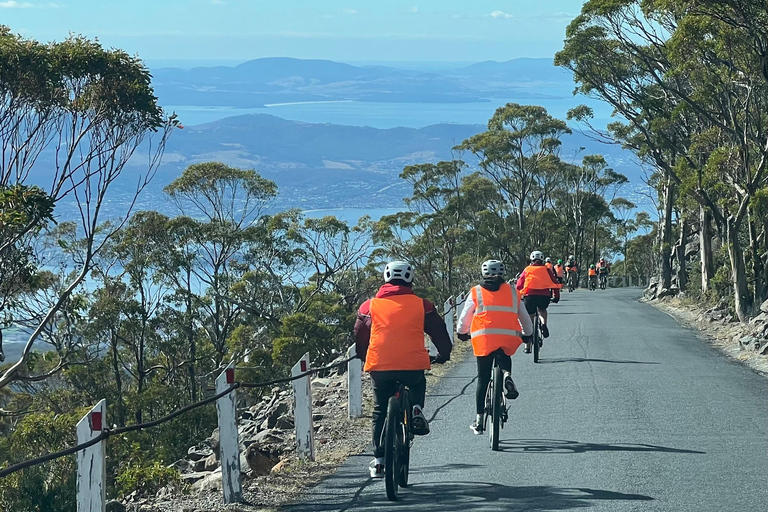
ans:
(230, 375)
(303, 366)
(96, 421)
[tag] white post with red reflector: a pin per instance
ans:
(229, 442)
(91, 462)
(302, 410)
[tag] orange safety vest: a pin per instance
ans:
(397, 334)
(537, 277)
(592, 272)
(560, 270)
(549, 266)
(495, 324)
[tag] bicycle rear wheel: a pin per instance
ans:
(496, 382)
(404, 442)
(536, 335)
(391, 455)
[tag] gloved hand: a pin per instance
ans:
(464, 337)
(439, 359)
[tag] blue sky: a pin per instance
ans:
(372, 30)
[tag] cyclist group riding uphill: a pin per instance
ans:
(497, 316)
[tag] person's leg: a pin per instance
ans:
(417, 386)
(505, 363)
(484, 364)
(384, 386)
(542, 305)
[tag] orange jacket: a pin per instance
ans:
(397, 334)
(495, 324)
(550, 266)
(559, 270)
(537, 277)
(592, 272)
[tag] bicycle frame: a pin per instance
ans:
(397, 439)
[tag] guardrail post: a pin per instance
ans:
(302, 410)
(91, 462)
(354, 385)
(229, 442)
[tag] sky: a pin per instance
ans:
(343, 30)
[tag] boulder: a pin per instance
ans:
(211, 482)
(183, 466)
(666, 292)
(194, 454)
(211, 463)
(271, 436)
(191, 478)
(285, 422)
(321, 382)
(115, 506)
(749, 343)
(692, 247)
(764, 307)
(759, 319)
(213, 441)
(763, 350)
(259, 461)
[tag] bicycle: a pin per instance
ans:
(571, 283)
(536, 340)
(603, 281)
(397, 440)
(591, 284)
(495, 404)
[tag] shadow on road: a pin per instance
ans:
(562, 446)
(453, 397)
(587, 360)
(464, 496)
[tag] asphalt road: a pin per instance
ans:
(626, 411)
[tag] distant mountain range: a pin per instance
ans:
(266, 81)
(327, 165)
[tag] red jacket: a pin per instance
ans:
(434, 325)
(545, 292)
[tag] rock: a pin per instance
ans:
(195, 454)
(321, 382)
(199, 466)
(211, 463)
(183, 466)
(692, 247)
(115, 506)
(317, 417)
(275, 412)
(763, 350)
(191, 478)
(749, 343)
(268, 437)
(666, 292)
(259, 461)
(279, 466)
(285, 422)
(759, 319)
(319, 402)
(213, 441)
(212, 482)
(764, 307)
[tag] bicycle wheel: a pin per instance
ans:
(404, 441)
(536, 334)
(391, 455)
(496, 380)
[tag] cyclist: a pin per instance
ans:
(493, 305)
(389, 337)
(560, 272)
(548, 264)
(572, 269)
(537, 284)
(602, 270)
(592, 277)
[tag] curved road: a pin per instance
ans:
(626, 411)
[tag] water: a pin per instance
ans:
(352, 215)
(388, 115)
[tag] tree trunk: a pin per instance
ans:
(757, 263)
(705, 248)
(191, 338)
(738, 271)
(682, 272)
(666, 236)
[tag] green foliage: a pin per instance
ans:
(146, 479)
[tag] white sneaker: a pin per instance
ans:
(376, 470)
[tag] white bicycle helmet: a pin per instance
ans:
(491, 268)
(549, 260)
(398, 270)
(537, 256)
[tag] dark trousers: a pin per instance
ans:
(385, 384)
(484, 365)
